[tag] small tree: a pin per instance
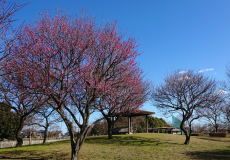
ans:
(45, 117)
(214, 115)
(226, 112)
(185, 93)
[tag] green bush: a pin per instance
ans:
(218, 134)
(197, 134)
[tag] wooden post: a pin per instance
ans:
(158, 130)
(128, 125)
(131, 126)
(146, 124)
(30, 136)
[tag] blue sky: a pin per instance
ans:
(174, 34)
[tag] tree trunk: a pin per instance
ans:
(187, 139)
(74, 151)
(76, 144)
(110, 129)
(45, 135)
(216, 128)
(18, 133)
(30, 137)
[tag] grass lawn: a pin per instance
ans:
(134, 146)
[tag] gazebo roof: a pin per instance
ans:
(133, 113)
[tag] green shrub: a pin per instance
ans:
(218, 134)
(197, 134)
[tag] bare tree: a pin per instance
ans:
(28, 125)
(226, 112)
(213, 114)
(45, 117)
(226, 105)
(187, 93)
(227, 83)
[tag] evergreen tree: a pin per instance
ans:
(8, 122)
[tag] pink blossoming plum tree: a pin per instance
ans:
(72, 62)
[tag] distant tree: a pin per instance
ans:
(226, 105)
(139, 123)
(100, 128)
(29, 127)
(157, 122)
(187, 93)
(226, 112)
(121, 122)
(227, 83)
(214, 115)
(8, 122)
(45, 117)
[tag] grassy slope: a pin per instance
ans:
(136, 146)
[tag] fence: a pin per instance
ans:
(13, 143)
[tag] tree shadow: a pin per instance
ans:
(6, 157)
(35, 154)
(216, 140)
(128, 140)
(212, 154)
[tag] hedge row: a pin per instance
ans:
(218, 134)
(197, 134)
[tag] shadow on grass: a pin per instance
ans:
(213, 154)
(6, 157)
(128, 140)
(33, 154)
(217, 140)
(35, 151)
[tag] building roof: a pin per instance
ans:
(176, 130)
(133, 113)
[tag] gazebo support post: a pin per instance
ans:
(128, 125)
(146, 123)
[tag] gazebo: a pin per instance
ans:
(132, 113)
